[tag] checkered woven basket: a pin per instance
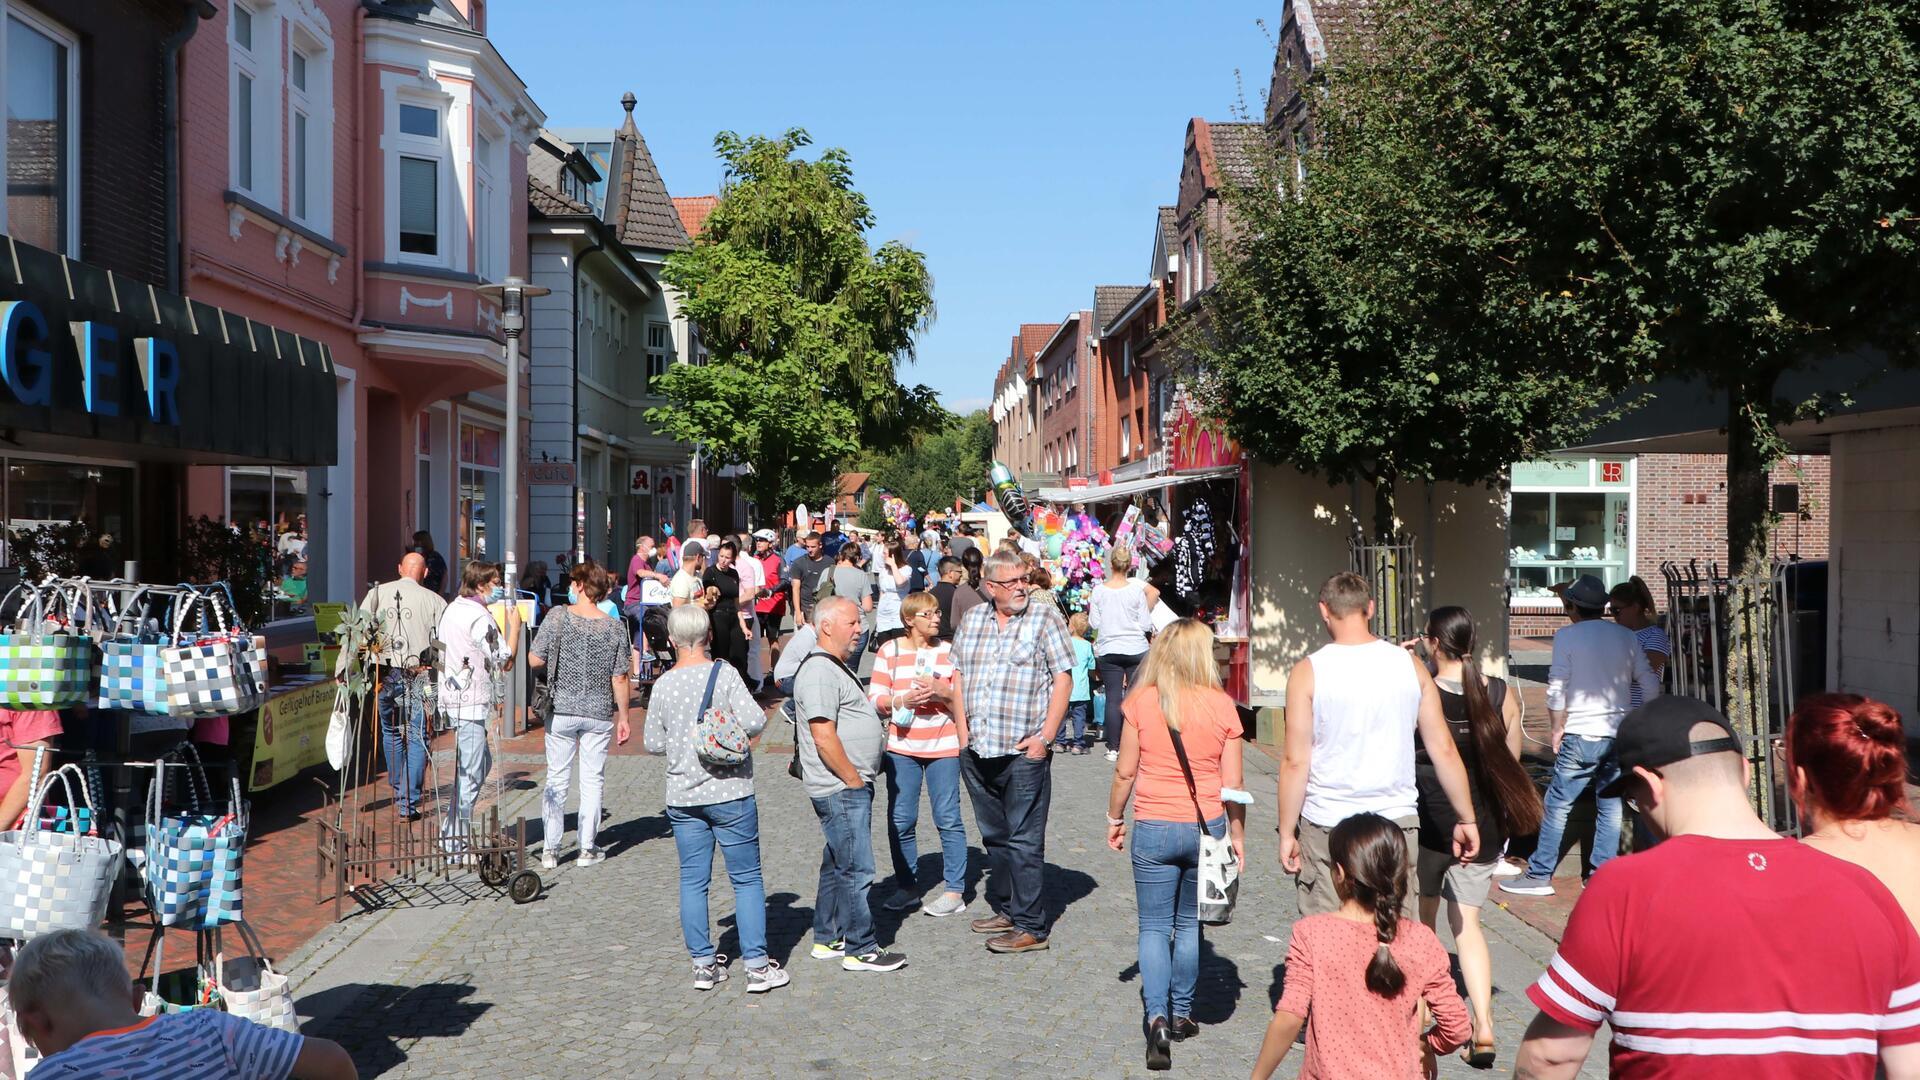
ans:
(218, 671)
(252, 990)
(43, 663)
(55, 881)
(193, 857)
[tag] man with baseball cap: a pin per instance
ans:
(1727, 950)
(1596, 664)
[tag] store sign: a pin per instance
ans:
(291, 734)
(27, 365)
(642, 481)
(88, 354)
(1195, 441)
(550, 473)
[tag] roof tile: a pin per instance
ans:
(693, 210)
(646, 218)
(1109, 301)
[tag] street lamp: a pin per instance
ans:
(512, 295)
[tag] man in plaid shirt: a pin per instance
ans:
(1013, 675)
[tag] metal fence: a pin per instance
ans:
(1710, 635)
(1393, 574)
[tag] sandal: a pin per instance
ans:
(1478, 1055)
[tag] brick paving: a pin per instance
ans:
(592, 978)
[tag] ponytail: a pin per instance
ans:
(1515, 798)
(1371, 853)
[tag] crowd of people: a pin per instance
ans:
(1400, 790)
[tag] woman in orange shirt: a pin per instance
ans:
(1177, 696)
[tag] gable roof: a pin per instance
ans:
(851, 483)
(1109, 301)
(642, 213)
(1033, 337)
(1170, 228)
(693, 211)
(1233, 146)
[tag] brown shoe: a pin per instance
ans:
(992, 924)
(1016, 941)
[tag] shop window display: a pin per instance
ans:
(1569, 516)
(50, 494)
(270, 506)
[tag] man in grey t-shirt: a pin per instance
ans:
(839, 744)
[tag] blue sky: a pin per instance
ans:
(1022, 146)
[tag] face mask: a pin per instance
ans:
(573, 595)
(498, 594)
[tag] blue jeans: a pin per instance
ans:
(846, 870)
(942, 777)
(736, 825)
(473, 759)
(1166, 883)
(1011, 797)
(403, 737)
(1076, 722)
(1583, 760)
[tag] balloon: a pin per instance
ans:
(1012, 499)
(800, 519)
(1055, 541)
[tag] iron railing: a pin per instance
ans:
(1393, 573)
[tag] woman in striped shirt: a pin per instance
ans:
(912, 685)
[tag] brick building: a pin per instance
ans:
(1015, 407)
(1060, 367)
(1623, 516)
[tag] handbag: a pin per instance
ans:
(250, 988)
(193, 858)
(53, 880)
(720, 739)
(214, 671)
(340, 729)
(45, 662)
(541, 707)
(133, 669)
(1218, 881)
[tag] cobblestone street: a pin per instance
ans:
(592, 979)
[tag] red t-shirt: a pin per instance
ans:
(1745, 959)
(20, 727)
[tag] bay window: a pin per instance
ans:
(417, 208)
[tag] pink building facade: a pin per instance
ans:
(353, 173)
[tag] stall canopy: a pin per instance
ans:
(1124, 488)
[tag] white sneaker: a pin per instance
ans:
(591, 857)
(944, 905)
(705, 976)
(549, 861)
(1113, 755)
(1505, 868)
(771, 977)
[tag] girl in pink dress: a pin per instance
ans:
(1356, 977)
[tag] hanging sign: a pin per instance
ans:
(550, 473)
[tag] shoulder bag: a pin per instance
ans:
(720, 739)
(542, 704)
(1219, 877)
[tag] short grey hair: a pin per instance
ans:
(54, 970)
(1004, 560)
(689, 626)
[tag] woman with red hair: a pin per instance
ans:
(1847, 758)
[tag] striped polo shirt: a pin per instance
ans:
(933, 733)
(204, 1044)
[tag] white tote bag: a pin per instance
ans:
(1219, 877)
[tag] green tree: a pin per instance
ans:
(1341, 337)
(937, 465)
(1714, 191)
(806, 323)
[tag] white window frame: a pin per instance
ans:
(1199, 260)
(1126, 356)
(1583, 477)
(665, 352)
(490, 217)
(1126, 437)
(262, 64)
(313, 41)
(1186, 270)
(71, 43)
(437, 150)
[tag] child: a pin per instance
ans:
(1356, 977)
(1080, 705)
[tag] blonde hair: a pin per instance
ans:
(1180, 661)
(1077, 624)
(915, 603)
(1120, 559)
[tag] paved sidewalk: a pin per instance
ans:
(592, 979)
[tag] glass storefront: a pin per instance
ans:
(479, 490)
(270, 505)
(1569, 516)
(44, 498)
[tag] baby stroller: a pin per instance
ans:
(651, 641)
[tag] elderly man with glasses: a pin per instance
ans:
(1013, 676)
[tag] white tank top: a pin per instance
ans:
(1366, 703)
